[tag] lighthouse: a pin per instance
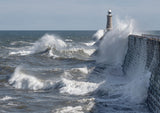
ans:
(109, 21)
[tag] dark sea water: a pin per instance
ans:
(55, 72)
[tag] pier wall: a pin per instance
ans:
(144, 55)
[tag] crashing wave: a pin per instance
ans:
(53, 46)
(113, 46)
(20, 80)
(47, 41)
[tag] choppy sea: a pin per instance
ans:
(59, 72)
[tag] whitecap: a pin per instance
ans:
(7, 98)
(20, 80)
(78, 88)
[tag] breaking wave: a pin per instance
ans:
(47, 41)
(20, 80)
(55, 47)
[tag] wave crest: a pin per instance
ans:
(47, 41)
(20, 80)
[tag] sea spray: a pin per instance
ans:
(112, 51)
(135, 90)
(99, 34)
(136, 71)
(113, 46)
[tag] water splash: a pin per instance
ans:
(113, 47)
(112, 51)
(20, 80)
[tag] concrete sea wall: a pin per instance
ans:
(144, 55)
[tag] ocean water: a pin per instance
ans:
(59, 72)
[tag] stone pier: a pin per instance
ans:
(144, 50)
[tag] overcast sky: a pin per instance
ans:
(75, 14)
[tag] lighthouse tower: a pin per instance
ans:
(109, 21)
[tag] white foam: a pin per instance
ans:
(80, 51)
(70, 109)
(90, 43)
(21, 80)
(73, 52)
(68, 40)
(21, 52)
(86, 100)
(7, 98)
(78, 88)
(89, 51)
(50, 54)
(86, 106)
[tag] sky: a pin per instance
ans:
(76, 14)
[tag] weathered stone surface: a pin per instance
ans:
(144, 51)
